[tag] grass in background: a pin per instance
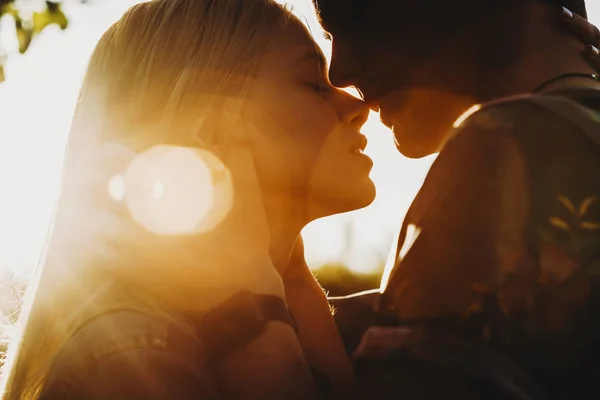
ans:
(338, 280)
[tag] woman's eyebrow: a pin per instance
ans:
(311, 55)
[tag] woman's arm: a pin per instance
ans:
(317, 330)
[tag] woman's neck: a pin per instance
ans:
(286, 218)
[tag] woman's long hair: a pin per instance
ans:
(154, 78)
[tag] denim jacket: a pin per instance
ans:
(130, 354)
(132, 347)
(500, 251)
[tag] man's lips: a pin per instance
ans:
(386, 104)
(385, 119)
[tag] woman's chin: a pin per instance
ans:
(365, 197)
(342, 201)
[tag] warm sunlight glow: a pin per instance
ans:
(37, 102)
(412, 234)
(169, 190)
(466, 115)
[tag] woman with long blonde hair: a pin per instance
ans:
(205, 138)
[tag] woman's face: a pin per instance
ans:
(308, 142)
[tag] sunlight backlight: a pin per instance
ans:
(37, 103)
(466, 116)
(389, 264)
(412, 234)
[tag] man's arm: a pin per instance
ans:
(353, 315)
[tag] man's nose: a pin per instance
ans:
(345, 66)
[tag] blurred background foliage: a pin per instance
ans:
(29, 19)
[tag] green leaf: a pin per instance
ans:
(560, 224)
(590, 226)
(568, 204)
(585, 205)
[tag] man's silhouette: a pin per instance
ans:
(493, 292)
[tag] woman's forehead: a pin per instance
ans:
(289, 47)
(289, 38)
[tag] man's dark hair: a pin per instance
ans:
(577, 6)
(449, 19)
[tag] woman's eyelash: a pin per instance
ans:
(318, 87)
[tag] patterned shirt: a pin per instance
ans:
(503, 240)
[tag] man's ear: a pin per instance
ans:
(585, 31)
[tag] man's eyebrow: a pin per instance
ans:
(327, 36)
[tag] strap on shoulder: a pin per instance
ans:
(585, 118)
(239, 320)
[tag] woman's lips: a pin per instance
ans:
(358, 149)
(359, 145)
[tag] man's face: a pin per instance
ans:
(388, 50)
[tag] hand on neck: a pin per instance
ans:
(547, 51)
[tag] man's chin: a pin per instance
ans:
(415, 149)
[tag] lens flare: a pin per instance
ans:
(158, 190)
(116, 188)
(172, 190)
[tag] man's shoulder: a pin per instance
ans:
(528, 113)
(501, 138)
(522, 126)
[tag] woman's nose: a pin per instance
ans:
(356, 111)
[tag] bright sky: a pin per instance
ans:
(36, 105)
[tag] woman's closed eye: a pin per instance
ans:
(319, 86)
(318, 82)
(312, 71)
